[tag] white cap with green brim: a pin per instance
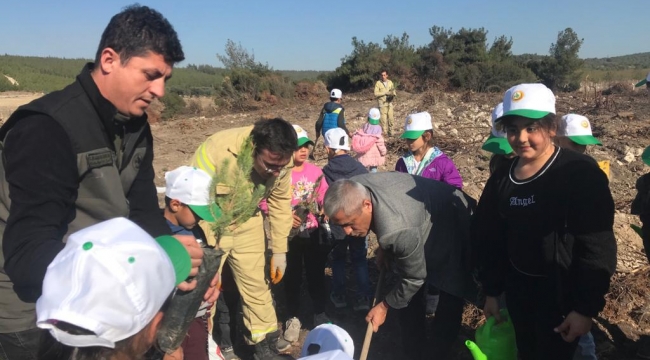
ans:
(578, 129)
(497, 142)
(191, 186)
(416, 125)
(533, 101)
(111, 279)
(644, 81)
(303, 137)
(373, 116)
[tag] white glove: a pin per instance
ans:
(278, 267)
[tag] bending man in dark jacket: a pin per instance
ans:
(79, 156)
(422, 225)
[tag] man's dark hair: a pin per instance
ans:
(275, 135)
(137, 30)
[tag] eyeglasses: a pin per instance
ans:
(270, 168)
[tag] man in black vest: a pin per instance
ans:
(79, 156)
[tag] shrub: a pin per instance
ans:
(174, 104)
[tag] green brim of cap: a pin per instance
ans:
(637, 230)
(585, 140)
(497, 145)
(646, 156)
(373, 121)
(303, 141)
(531, 114)
(412, 134)
(178, 255)
(641, 83)
(209, 213)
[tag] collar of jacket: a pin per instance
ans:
(106, 110)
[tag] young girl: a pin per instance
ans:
(428, 161)
(545, 232)
(368, 143)
(423, 158)
(308, 187)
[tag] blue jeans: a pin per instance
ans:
(21, 345)
(586, 348)
(358, 251)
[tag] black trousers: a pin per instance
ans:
(311, 253)
(535, 311)
(445, 326)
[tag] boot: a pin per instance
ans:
(267, 348)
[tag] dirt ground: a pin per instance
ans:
(462, 123)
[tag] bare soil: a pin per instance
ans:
(462, 123)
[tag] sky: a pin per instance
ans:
(316, 35)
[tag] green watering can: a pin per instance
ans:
(494, 341)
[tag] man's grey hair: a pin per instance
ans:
(345, 195)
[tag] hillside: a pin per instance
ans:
(46, 74)
(633, 61)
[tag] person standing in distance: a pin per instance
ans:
(385, 94)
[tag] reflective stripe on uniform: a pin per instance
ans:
(203, 161)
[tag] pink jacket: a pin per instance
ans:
(370, 149)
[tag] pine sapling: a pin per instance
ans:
(242, 199)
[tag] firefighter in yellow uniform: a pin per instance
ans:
(385, 93)
(244, 247)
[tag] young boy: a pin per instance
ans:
(105, 293)
(342, 166)
(187, 201)
(332, 115)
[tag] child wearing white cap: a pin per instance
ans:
(104, 294)
(368, 143)
(308, 187)
(187, 201)
(342, 166)
(545, 232)
(574, 133)
(327, 339)
(332, 115)
(497, 143)
(423, 158)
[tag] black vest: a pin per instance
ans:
(103, 188)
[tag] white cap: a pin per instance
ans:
(303, 137)
(191, 186)
(497, 113)
(111, 279)
(373, 116)
(532, 101)
(416, 125)
(578, 129)
(336, 94)
(328, 355)
(336, 138)
(329, 337)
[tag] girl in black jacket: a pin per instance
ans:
(545, 231)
